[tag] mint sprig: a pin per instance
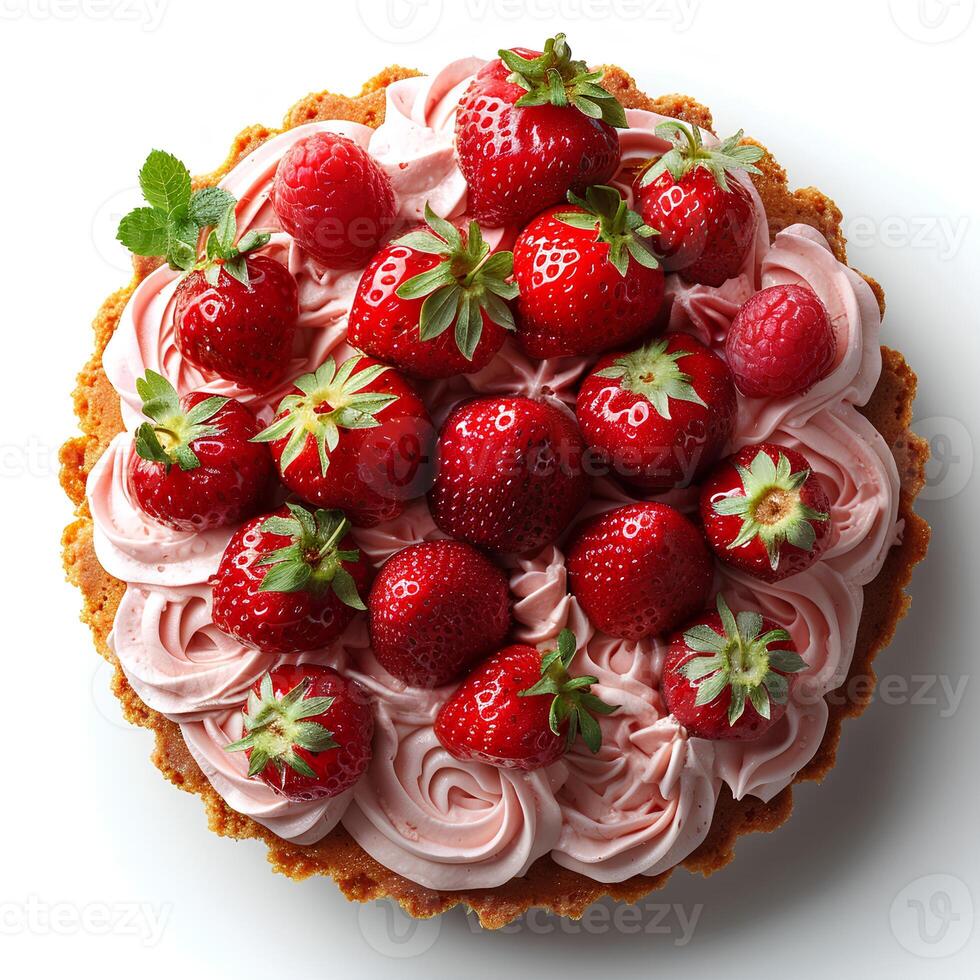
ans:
(171, 224)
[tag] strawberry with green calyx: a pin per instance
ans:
(235, 311)
(765, 512)
(354, 437)
(290, 581)
(193, 466)
(434, 303)
(728, 676)
(522, 709)
(307, 732)
(555, 78)
(532, 126)
(707, 223)
(659, 416)
(588, 281)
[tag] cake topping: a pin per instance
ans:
(766, 513)
(194, 467)
(706, 221)
(334, 199)
(354, 437)
(661, 415)
(532, 126)
(588, 281)
(522, 709)
(435, 610)
(307, 732)
(727, 676)
(290, 581)
(781, 342)
(435, 302)
(555, 77)
(167, 438)
(640, 570)
(511, 474)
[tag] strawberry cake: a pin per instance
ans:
(491, 486)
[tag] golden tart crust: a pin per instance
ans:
(546, 885)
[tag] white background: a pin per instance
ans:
(872, 101)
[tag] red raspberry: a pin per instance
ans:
(332, 197)
(781, 342)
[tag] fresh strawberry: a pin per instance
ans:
(510, 473)
(661, 415)
(707, 224)
(332, 197)
(587, 281)
(308, 732)
(522, 709)
(433, 303)
(235, 312)
(781, 342)
(765, 512)
(640, 570)
(531, 127)
(193, 466)
(354, 437)
(729, 676)
(290, 581)
(436, 609)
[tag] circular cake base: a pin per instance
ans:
(546, 885)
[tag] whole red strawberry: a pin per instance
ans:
(707, 223)
(235, 312)
(355, 437)
(661, 415)
(781, 342)
(290, 581)
(640, 570)
(194, 466)
(510, 473)
(434, 303)
(308, 732)
(729, 676)
(765, 512)
(587, 280)
(522, 709)
(240, 329)
(436, 609)
(531, 127)
(332, 197)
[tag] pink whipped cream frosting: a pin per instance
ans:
(646, 800)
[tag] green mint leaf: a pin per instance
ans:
(165, 182)
(208, 205)
(144, 231)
